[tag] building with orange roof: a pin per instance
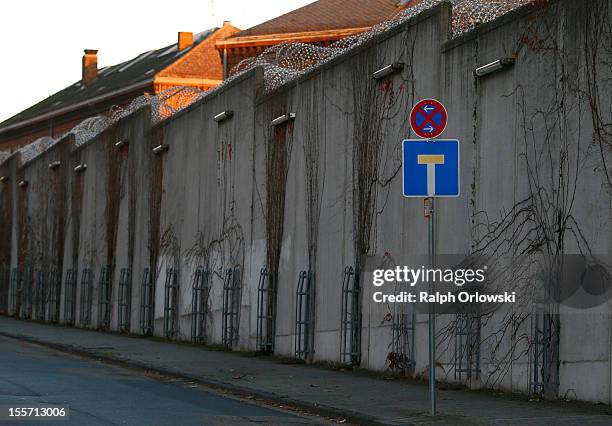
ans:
(322, 23)
(192, 61)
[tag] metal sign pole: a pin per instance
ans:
(432, 317)
(431, 169)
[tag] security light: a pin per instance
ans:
(23, 183)
(388, 70)
(494, 66)
(283, 119)
(121, 143)
(225, 115)
(54, 165)
(80, 168)
(160, 148)
(3, 179)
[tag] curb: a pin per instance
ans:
(234, 390)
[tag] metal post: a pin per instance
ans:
(432, 317)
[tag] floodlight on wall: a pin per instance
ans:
(3, 179)
(23, 183)
(54, 165)
(388, 70)
(225, 115)
(80, 168)
(283, 119)
(160, 148)
(121, 143)
(494, 66)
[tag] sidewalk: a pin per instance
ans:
(355, 396)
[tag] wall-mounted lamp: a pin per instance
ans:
(225, 115)
(494, 66)
(160, 148)
(388, 70)
(283, 119)
(54, 165)
(23, 183)
(80, 168)
(3, 179)
(121, 143)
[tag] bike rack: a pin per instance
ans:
(70, 296)
(199, 304)
(125, 299)
(170, 303)
(304, 330)
(350, 328)
(266, 311)
(147, 303)
(86, 297)
(231, 306)
(104, 313)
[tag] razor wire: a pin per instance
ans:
(281, 64)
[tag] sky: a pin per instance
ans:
(42, 42)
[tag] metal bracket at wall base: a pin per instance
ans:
(304, 321)
(147, 303)
(199, 304)
(266, 311)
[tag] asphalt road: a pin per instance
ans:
(102, 394)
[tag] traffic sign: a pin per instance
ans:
(428, 118)
(431, 168)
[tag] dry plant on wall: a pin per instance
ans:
(155, 199)
(525, 245)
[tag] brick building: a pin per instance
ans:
(322, 23)
(192, 61)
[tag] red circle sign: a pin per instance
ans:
(428, 119)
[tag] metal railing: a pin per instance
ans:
(86, 297)
(125, 299)
(231, 306)
(25, 292)
(5, 279)
(105, 298)
(53, 295)
(402, 358)
(304, 316)
(199, 304)
(13, 290)
(147, 303)
(70, 296)
(350, 327)
(545, 351)
(171, 303)
(467, 347)
(266, 311)
(40, 295)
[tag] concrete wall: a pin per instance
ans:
(323, 192)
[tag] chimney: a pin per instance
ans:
(185, 40)
(90, 66)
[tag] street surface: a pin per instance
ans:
(102, 394)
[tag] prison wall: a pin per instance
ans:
(276, 225)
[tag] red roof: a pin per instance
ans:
(327, 15)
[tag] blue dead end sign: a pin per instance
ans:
(431, 168)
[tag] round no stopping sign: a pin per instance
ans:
(428, 119)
